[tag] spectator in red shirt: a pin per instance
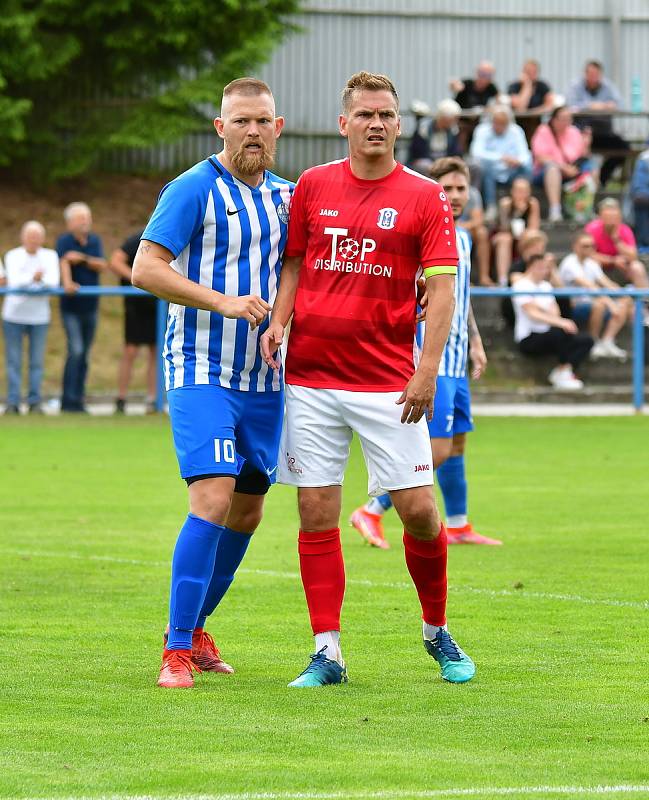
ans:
(615, 245)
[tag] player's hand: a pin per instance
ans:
(417, 398)
(478, 358)
(250, 307)
(422, 299)
(270, 343)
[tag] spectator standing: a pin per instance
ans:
(529, 92)
(435, 138)
(593, 92)
(139, 326)
(579, 268)
(541, 330)
(30, 266)
(615, 245)
(518, 212)
(561, 153)
(472, 220)
(639, 191)
(476, 92)
(500, 147)
(82, 259)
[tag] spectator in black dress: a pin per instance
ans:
(476, 92)
(139, 327)
(529, 92)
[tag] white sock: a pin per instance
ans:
(374, 507)
(430, 631)
(457, 521)
(330, 640)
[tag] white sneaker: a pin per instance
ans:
(606, 348)
(491, 214)
(555, 215)
(564, 379)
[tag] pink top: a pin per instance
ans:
(603, 242)
(566, 150)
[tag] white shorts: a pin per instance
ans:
(318, 427)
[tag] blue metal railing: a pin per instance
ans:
(640, 297)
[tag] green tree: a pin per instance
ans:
(79, 77)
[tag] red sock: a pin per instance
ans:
(426, 561)
(323, 577)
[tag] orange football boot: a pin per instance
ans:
(206, 655)
(176, 670)
(466, 535)
(370, 527)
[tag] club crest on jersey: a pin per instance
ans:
(282, 212)
(387, 218)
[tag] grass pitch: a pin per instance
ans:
(556, 620)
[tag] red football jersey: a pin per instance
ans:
(363, 243)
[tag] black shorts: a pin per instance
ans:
(140, 320)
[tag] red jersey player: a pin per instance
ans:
(360, 231)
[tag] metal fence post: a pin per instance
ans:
(638, 356)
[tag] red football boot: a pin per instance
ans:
(466, 535)
(206, 654)
(176, 670)
(370, 527)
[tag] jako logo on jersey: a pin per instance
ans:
(387, 218)
(422, 467)
(348, 255)
(328, 212)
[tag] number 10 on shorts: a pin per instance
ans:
(224, 448)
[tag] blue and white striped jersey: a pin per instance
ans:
(454, 358)
(231, 237)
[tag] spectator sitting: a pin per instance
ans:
(35, 267)
(518, 212)
(615, 246)
(639, 191)
(3, 274)
(434, 138)
(500, 147)
(476, 92)
(82, 259)
(579, 268)
(139, 326)
(472, 220)
(529, 93)
(561, 153)
(540, 329)
(593, 92)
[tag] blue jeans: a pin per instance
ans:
(492, 176)
(80, 331)
(37, 335)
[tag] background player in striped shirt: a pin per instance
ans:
(452, 418)
(360, 231)
(213, 248)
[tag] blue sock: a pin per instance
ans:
(452, 482)
(385, 501)
(191, 570)
(229, 554)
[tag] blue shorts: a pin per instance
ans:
(452, 409)
(224, 432)
(581, 313)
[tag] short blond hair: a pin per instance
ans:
(366, 81)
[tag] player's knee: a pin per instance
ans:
(316, 514)
(421, 519)
(209, 502)
(245, 521)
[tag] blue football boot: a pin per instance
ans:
(455, 664)
(321, 672)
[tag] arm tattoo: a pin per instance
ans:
(144, 248)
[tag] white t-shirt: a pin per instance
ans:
(21, 267)
(572, 269)
(525, 325)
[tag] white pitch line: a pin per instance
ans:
(388, 794)
(565, 598)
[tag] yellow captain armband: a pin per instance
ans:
(430, 271)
